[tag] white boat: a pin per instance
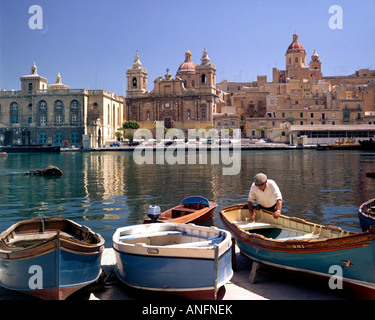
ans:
(184, 259)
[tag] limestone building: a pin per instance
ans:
(42, 114)
(186, 101)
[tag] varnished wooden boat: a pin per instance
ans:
(183, 259)
(366, 214)
(296, 245)
(49, 258)
(191, 210)
(3, 155)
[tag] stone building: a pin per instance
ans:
(186, 101)
(42, 114)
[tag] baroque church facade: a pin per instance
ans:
(187, 101)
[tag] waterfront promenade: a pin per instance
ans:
(268, 286)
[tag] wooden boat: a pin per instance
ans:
(366, 214)
(49, 258)
(370, 174)
(29, 148)
(191, 210)
(3, 155)
(367, 144)
(299, 246)
(183, 259)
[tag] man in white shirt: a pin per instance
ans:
(267, 194)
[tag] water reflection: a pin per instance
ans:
(106, 190)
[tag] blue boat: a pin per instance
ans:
(49, 258)
(296, 245)
(183, 259)
(366, 214)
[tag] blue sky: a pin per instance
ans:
(91, 42)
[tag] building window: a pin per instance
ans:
(75, 139)
(43, 119)
(43, 105)
(14, 112)
(134, 82)
(30, 120)
(30, 87)
(203, 78)
(311, 115)
(59, 118)
(74, 118)
(74, 111)
(290, 60)
(58, 138)
(283, 115)
(301, 115)
(296, 60)
(42, 138)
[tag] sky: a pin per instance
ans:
(91, 43)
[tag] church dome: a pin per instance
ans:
(295, 46)
(188, 65)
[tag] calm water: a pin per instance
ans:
(107, 190)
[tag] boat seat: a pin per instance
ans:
(245, 225)
(308, 236)
(149, 235)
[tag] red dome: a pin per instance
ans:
(188, 65)
(295, 46)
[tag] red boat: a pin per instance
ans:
(370, 174)
(191, 210)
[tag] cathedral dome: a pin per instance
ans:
(295, 46)
(188, 65)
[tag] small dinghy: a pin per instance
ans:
(49, 258)
(191, 210)
(184, 259)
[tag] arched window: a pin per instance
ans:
(42, 113)
(14, 112)
(74, 112)
(134, 82)
(204, 78)
(30, 87)
(296, 60)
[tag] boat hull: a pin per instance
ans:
(366, 220)
(191, 278)
(352, 255)
(50, 263)
(52, 275)
(29, 149)
(186, 270)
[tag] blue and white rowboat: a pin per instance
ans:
(49, 258)
(184, 259)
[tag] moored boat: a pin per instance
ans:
(296, 245)
(366, 214)
(192, 209)
(49, 258)
(3, 155)
(29, 149)
(183, 259)
(370, 174)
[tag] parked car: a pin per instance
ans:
(115, 144)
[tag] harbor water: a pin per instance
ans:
(105, 190)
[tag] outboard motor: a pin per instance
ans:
(153, 213)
